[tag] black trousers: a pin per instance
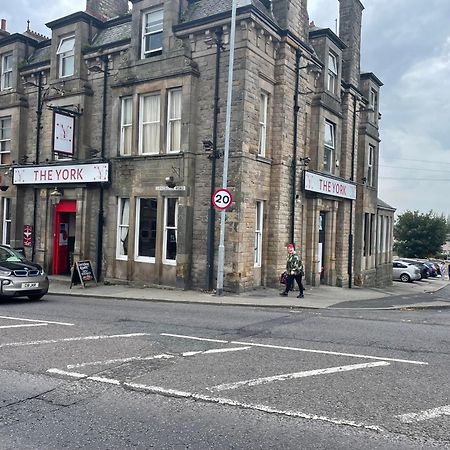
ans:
(290, 282)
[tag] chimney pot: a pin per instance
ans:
(3, 25)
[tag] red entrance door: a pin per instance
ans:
(63, 212)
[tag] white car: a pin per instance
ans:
(405, 272)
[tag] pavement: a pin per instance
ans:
(424, 294)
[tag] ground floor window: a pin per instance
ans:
(123, 219)
(145, 242)
(6, 235)
(170, 230)
(259, 233)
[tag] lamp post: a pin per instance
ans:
(213, 156)
(100, 217)
(221, 261)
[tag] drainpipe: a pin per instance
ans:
(37, 151)
(350, 235)
(102, 154)
(298, 55)
(214, 156)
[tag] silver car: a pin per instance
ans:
(20, 277)
(405, 272)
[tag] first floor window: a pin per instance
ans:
(332, 73)
(329, 147)
(174, 121)
(149, 124)
(6, 72)
(123, 220)
(126, 126)
(146, 209)
(6, 235)
(259, 233)
(370, 156)
(5, 140)
(152, 33)
(170, 230)
(263, 101)
(66, 56)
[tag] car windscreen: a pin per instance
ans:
(8, 254)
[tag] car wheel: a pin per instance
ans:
(36, 297)
(405, 278)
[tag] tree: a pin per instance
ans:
(419, 235)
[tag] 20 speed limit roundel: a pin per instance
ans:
(222, 199)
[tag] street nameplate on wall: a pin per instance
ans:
(329, 186)
(71, 173)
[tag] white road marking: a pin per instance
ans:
(194, 338)
(219, 400)
(215, 350)
(293, 376)
(425, 415)
(307, 350)
(74, 339)
(119, 360)
(25, 326)
(36, 320)
(326, 352)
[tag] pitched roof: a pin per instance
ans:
(113, 34)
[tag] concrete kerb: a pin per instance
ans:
(323, 297)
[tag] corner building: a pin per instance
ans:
(112, 134)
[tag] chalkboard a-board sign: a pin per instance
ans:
(82, 273)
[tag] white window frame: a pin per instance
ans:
(170, 262)
(263, 105)
(6, 206)
(63, 56)
(159, 23)
(5, 142)
(6, 75)
(125, 126)
(329, 148)
(152, 122)
(146, 259)
(370, 164)
(171, 121)
(332, 72)
(259, 225)
(122, 226)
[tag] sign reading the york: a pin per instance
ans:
(79, 173)
(329, 186)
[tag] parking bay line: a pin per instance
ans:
(306, 350)
(425, 415)
(36, 320)
(22, 325)
(295, 375)
(150, 358)
(73, 339)
(216, 400)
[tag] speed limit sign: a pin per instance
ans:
(222, 199)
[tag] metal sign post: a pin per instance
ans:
(221, 255)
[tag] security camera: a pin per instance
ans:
(170, 182)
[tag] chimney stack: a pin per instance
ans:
(107, 9)
(350, 18)
(3, 32)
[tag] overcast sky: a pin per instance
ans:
(406, 44)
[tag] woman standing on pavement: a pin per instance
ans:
(294, 270)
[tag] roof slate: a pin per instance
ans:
(113, 34)
(204, 8)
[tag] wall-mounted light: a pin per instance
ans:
(55, 196)
(170, 182)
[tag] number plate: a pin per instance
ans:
(29, 285)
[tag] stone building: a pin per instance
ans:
(112, 132)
